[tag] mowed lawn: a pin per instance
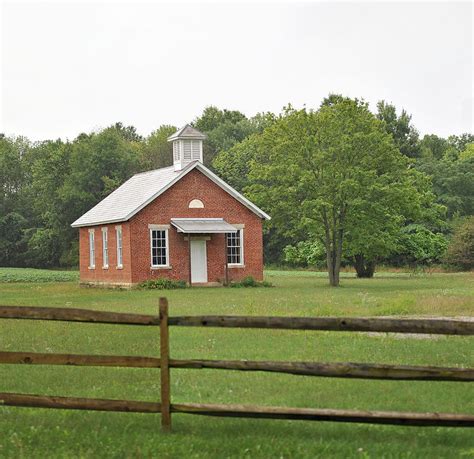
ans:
(35, 433)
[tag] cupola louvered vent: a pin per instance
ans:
(187, 146)
(187, 150)
(176, 146)
(196, 149)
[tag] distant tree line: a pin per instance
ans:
(343, 185)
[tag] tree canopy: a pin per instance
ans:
(343, 185)
(400, 127)
(337, 175)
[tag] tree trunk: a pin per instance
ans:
(338, 252)
(333, 243)
(330, 265)
(364, 268)
(333, 261)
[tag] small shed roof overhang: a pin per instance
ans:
(202, 225)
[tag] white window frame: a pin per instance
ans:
(105, 248)
(196, 204)
(91, 249)
(164, 228)
(119, 242)
(241, 234)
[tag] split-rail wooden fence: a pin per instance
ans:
(166, 407)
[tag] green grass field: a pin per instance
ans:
(55, 433)
(36, 275)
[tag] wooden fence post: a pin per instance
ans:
(164, 366)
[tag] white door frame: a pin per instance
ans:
(198, 261)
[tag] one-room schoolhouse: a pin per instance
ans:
(181, 222)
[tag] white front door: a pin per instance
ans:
(198, 261)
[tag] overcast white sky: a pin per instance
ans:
(70, 67)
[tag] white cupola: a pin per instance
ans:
(187, 146)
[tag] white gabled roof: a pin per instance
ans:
(138, 191)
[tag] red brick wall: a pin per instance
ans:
(112, 274)
(174, 203)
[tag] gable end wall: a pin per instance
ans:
(174, 203)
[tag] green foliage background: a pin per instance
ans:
(45, 185)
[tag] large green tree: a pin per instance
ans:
(69, 179)
(460, 142)
(233, 164)
(436, 148)
(400, 127)
(13, 172)
(99, 163)
(15, 207)
(47, 233)
(336, 175)
(453, 181)
(156, 151)
(224, 129)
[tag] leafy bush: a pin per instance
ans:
(249, 281)
(460, 251)
(162, 284)
(305, 253)
(420, 246)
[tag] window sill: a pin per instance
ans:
(105, 267)
(235, 266)
(160, 267)
(91, 267)
(119, 267)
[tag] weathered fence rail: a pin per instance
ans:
(333, 370)
(341, 324)
(164, 363)
(76, 315)
(74, 403)
(353, 324)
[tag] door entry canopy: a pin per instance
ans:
(202, 225)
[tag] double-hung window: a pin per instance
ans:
(118, 234)
(235, 248)
(105, 249)
(159, 247)
(91, 249)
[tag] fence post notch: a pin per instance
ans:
(164, 366)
